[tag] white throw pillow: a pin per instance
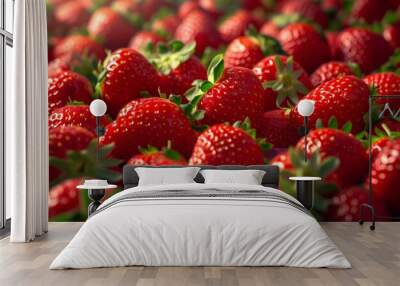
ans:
(248, 177)
(166, 176)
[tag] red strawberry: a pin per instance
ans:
(345, 206)
(369, 10)
(177, 67)
(236, 25)
(72, 15)
(305, 44)
(127, 74)
(273, 26)
(64, 197)
(228, 95)
(226, 145)
(308, 9)
(332, 38)
(217, 8)
(270, 28)
(77, 115)
(68, 138)
(279, 129)
(79, 45)
(113, 28)
(154, 157)
(243, 52)
(378, 146)
(253, 4)
(363, 47)
(68, 86)
(198, 27)
(384, 132)
(138, 8)
(345, 98)
(386, 176)
(391, 33)
(329, 71)
(187, 7)
(284, 81)
(248, 50)
(283, 161)
(350, 152)
(143, 39)
(149, 121)
(332, 5)
(64, 139)
(166, 26)
(386, 83)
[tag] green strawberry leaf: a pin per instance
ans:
(287, 84)
(167, 57)
(216, 68)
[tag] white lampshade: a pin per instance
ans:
(98, 107)
(306, 107)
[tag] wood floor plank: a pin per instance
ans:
(375, 257)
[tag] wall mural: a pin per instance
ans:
(217, 82)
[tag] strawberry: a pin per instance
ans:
(198, 27)
(177, 67)
(253, 4)
(79, 45)
(226, 145)
(308, 9)
(391, 33)
(166, 26)
(143, 39)
(363, 47)
(385, 83)
(72, 15)
(68, 86)
(64, 197)
(187, 7)
(217, 8)
(345, 206)
(154, 157)
(350, 152)
(329, 71)
(332, 38)
(283, 161)
(64, 139)
(386, 175)
(305, 44)
(236, 25)
(332, 5)
(386, 131)
(114, 29)
(243, 52)
(77, 115)
(284, 80)
(59, 65)
(149, 121)
(138, 8)
(345, 98)
(369, 10)
(126, 75)
(246, 51)
(228, 95)
(279, 129)
(273, 26)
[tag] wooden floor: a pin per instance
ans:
(375, 257)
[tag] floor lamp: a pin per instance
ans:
(306, 109)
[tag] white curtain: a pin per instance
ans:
(26, 124)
